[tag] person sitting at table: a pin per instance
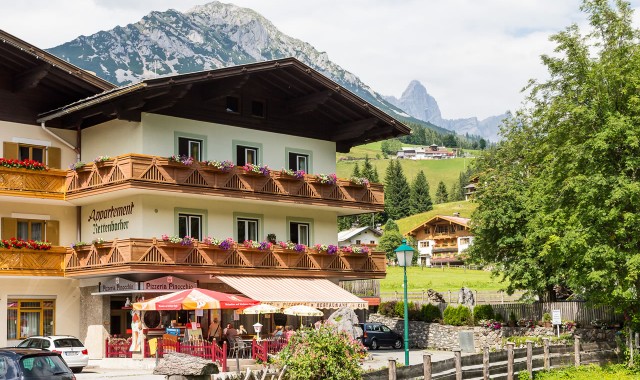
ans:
(289, 332)
(230, 333)
(242, 330)
(278, 333)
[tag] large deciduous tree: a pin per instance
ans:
(559, 198)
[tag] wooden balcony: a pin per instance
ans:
(156, 256)
(158, 173)
(27, 262)
(49, 184)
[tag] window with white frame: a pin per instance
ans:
(190, 147)
(246, 155)
(299, 233)
(298, 161)
(247, 229)
(190, 225)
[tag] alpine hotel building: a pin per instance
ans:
(112, 197)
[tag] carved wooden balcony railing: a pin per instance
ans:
(158, 173)
(157, 256)
(27, 262)
(32, 183)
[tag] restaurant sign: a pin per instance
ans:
(118, 284)
(168, 283)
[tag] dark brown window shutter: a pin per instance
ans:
(9, 228)
(54, 159)
(52, 232)
(10, 150)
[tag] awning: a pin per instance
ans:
(289, 291)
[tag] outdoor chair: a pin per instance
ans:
(240, 349)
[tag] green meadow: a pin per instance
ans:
(439, 279)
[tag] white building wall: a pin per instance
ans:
(153, 216)
(15, 132)
(463, 246)
(365, 237)
(64, 291)
(125, 226)
(112, 138)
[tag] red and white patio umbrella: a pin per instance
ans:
(195, 299)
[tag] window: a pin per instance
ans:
(31, 230)
(298, 161)
(358, 241)
(190, 225)
(190, 147)
(27, 318)
(257, 108)
(372, 242)
(233, 104)
(248, 229)
(299, 233)
(246, 155)
(31, 152)
(423, 244)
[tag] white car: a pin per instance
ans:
(68, 347)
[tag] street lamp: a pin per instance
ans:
(404, 255)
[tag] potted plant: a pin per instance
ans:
(546, 319)
(271, 238)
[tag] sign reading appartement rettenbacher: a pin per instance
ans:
(109, 213)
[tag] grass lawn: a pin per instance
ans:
(465, 208)
(610, 372)
(439, 279)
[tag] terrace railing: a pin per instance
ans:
(28, 262)
(158, 173)
(127, 254)
(49, 184)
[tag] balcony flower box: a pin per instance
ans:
(326, 179)
(358, 182)
(256, 170)
(217, 166)
(102, 161)
(291, 175)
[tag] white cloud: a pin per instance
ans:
(473, 56)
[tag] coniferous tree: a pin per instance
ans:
(441, 193)
(397, 192)
(356, 171)
(368, 171)
(420, 197)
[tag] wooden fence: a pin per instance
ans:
(582, 313)
(451, 297)
(502, 364)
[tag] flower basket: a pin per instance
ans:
(217, 166)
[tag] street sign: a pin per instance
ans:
(556, 317)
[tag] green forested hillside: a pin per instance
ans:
(447, 171)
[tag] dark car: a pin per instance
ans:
(32, 364)
(376, 335)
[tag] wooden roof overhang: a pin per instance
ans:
(299, 101)
(33, 81)
(439, 218)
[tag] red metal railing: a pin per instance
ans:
(119, 348)
(261, 350)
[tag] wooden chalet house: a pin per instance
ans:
(442, 240)
(175, 182)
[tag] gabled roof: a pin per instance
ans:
(351, 232)
(299, 101)
(451, 219)
(22, 57)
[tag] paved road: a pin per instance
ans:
(377, 359)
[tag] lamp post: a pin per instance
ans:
(404, 255)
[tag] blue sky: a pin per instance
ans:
(473, 56)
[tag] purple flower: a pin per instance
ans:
(227, 244)
(332, 249)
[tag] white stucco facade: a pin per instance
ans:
(157, 135)
(34, 135)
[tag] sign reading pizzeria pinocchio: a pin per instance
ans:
(99, 217)
(168, 283)
(118, 284)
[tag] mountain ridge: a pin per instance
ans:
(206, 37)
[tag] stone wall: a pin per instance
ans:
(95, 317)
(445, 337)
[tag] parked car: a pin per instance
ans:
(376, 335)
(70, 349)
(32, 364)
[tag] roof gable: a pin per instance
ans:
(451, 219)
